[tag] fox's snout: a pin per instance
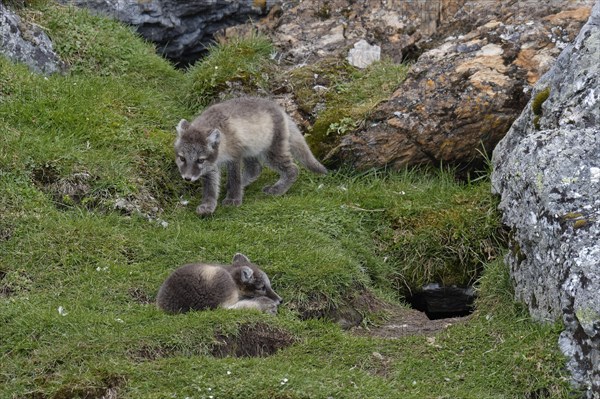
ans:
(189, 178)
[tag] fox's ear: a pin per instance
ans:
(246, 274)
(182, 126)
(240, 259)
(214, 137)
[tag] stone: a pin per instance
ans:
(461, 96)
(307, 31)
(21, 41)
(181, 30)
(363, 54)
(547, 173)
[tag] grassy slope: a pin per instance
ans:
(112, 118)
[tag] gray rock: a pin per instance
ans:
(463, 95)
(23, 42)
(182, 30)
(547, 171)
(363, 54)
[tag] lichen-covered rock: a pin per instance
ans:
(306, 31)
(463, 95)
(181, 30)
(547, 172)
(24, 42)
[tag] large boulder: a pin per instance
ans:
(462, 96)
(21, 41)
(547, 172)
(181, 30)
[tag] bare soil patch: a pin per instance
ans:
(403, 322)
(140, 296)
(106, 389)
(252, 340)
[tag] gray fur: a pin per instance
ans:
(204, 286)
(242, 133)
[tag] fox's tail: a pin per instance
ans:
(300, 150)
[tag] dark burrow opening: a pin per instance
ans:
(252, 340)
(443, 302)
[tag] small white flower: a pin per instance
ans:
(184, 202)
(320, 186)
(284, 381)
(228, 372)
(118, 320)
(164, 224)
(62, 311)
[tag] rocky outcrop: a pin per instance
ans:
(547, 172)
(307, 31)
(21, 41)
(181, 30)
(462, 96)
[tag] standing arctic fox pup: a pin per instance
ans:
(240, 132)
(201, 286)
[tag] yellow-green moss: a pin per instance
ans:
(580, 223)
(536, 106)
(572, 215)
(538, 100)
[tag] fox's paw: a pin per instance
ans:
(275, 189)
(267, 305)
(206, 209)
(232, 202)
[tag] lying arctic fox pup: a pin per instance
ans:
(201, 286)
(244, 132)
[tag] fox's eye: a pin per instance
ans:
(200, 161)
(182, 159)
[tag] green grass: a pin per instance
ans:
(240, 61)
(63, 245)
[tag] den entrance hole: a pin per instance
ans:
(252, 340)
(443, 302)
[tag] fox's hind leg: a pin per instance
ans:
(279, 157)
(252, 169)
(288, 173)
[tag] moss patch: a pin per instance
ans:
(536, 106)
(336, 97)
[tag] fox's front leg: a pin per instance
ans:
(235, 190)
(264, 304)
(210, 193)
